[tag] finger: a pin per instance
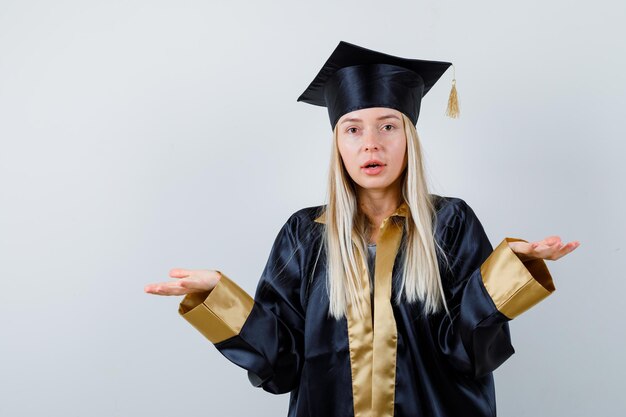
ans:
(550, 243)
(169, 288)
(543, 249)
(552, 240)
(555, 242)
(179, 273)
(193, 284)
(532, 248)
(565, 249)
(154, 288)
(160, 287)
(557, 251)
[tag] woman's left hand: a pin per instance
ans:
(550, 248)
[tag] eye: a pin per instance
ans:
(391, 126)
(349, 130)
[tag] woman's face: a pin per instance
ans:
(375, 133)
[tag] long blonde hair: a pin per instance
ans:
(420, 277)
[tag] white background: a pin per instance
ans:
(140, 136)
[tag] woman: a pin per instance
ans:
(388, 300)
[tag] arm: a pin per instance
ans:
(264, 335)
(485, 289)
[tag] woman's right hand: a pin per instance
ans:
(188, 281)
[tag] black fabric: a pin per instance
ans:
(354, 78)
(444, 365)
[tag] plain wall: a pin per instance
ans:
(140, 136)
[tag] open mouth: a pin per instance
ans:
(372, 163)
(373, 167)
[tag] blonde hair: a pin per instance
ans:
(420, 277)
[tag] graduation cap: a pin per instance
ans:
(355, 78)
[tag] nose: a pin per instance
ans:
(370, 142)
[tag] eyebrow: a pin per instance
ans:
(355, 119)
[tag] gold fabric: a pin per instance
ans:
(385, 330)
(515, 286)
(220, 313)
(373, 353)
(360, 339)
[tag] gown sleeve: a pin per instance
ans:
(485, 289)
(264, 334)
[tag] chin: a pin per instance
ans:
(375, 183)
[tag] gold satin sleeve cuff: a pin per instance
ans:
(220, 313)
(515, 286)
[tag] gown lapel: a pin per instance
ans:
(373, 350)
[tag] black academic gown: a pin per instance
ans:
(405, 364)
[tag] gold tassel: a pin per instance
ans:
(453, 101)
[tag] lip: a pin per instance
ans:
(373, 171)
(372, 161)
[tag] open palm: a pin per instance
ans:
(550, 248)
(188, 281)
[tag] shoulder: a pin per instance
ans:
(302, 223)
(449, 206)
(459, 231)
(452, 212)
(308, 214)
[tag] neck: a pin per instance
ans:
(379, 204)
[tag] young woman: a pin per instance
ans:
(388, 300)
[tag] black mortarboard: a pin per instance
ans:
(356, 78)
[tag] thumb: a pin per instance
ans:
(179, 273)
